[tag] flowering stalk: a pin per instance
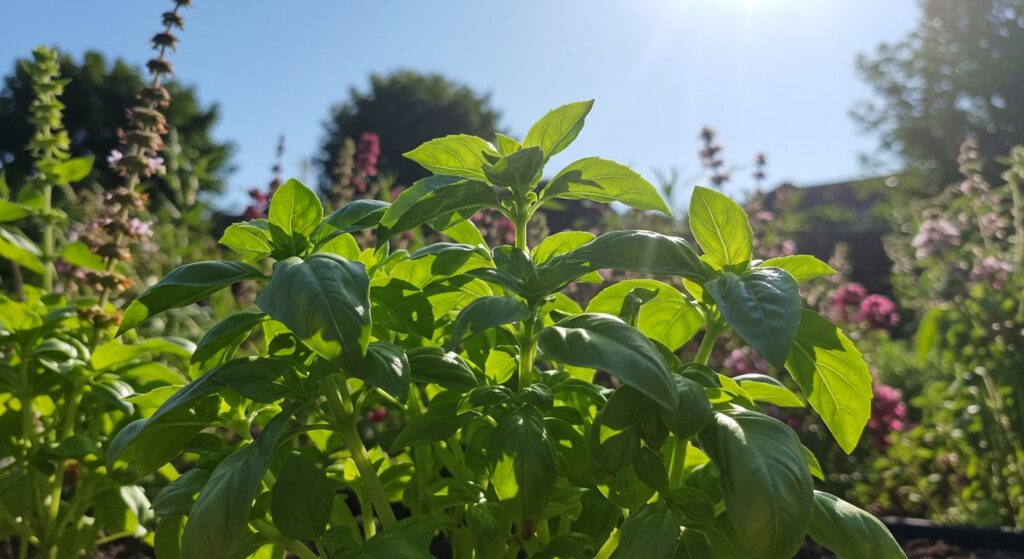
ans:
(49, 146)
(137, 160)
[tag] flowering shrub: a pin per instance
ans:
(451, 390)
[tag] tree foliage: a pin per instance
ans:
(958, 74)
(96, 99)
(406, 109)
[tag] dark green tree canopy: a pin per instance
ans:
(406, 109)
(959, 74)
(96, 99)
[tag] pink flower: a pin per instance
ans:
(847, 295)
(888, 414)
(935, 236)
(139, 229)
(991, 269)
(878, 311)
(743, 361)
(114, 158)
(367, 153)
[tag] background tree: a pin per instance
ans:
(960, 73)
(406, 109)
(96, 99)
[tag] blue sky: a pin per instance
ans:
(770, 75)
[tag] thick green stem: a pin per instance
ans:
(711, 335)
(339, 397)
(610, 545)
(48, 242)
(527, 352)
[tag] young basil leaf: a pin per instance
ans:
(441, 200)
(72, 170)
(833, 376)
(506, 145)
(460, 155)
(693, 411)
(849, 532)
(17, 248)
(558, 128)
(762, 306)
(13, 211)
(439, 422)
(400, 306)
(187, 395)
(605, 181)
(353, 216)
(177, 497)
(802, 267)
(387, 368)
(248, 239)
(643, 252)
(669, 317)
(523, 457)
(605, 342)
(220, 342)
(301, 499)
(324, 301)
(220, 516)
(765, 481)
(446, 369)
(295, 211)
(763, 388)
(721, 228)
(185, 285)
(485, 313)
(520, 171)
(558, 244)
(652, 531)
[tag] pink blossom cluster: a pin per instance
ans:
(744, 361)
(851, 302)
(991, 269)
(888, 414)
(257, 208)
(934, 237)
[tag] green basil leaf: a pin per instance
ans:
(440, 200)
(295, 211)
(446, 369)
(764, 478)
(79, 254)
(72, 170)
(220, 342)
(520, 171)
(762, 306)
(439, 422)
(13, 211)
(605, 181)
(400, 306)
(605, 342)
(669, 317)
(324, 301)
(220, 517)
(721, 228)
(17, 248)
(409, 539)
(387, 368)
(248, 239)
(763, 388)
(652, 531)
(833, 376)
(613, 440)
(486, 313)
(802, 267)
(460, 155)
(301, 499)
(524, 471)
(849, 532)
(558, 244)
(506, 145)
(182, 287)
(693, 411)
(558, 128)
(643, 252)
(178, 496)
(167, 539)
(353, 216)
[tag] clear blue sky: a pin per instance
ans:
(771, 75)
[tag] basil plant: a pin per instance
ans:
(516, 423)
